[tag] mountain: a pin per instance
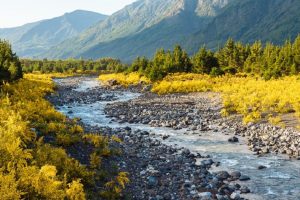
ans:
(141, 28)
(32, 39)
(250, 20)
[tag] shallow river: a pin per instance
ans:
(280, 180)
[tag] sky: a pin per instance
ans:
(18, 12)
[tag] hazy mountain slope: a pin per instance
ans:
(154, 23)
(14, 34)
(146, 25)
(130, 20)
(250, 20)
(32, 39)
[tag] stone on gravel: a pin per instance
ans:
(244, 189)
(152, 181)
(222, 175)
(233, 139)
(261, 167)
(205, 195)
(244, 178)
(235, 175)
(235, 196)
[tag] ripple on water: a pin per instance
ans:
(278, 175)
(87, 85)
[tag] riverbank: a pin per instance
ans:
(200, 113)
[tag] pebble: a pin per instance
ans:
(261, 167)
(233, 139)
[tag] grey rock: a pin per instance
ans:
(244, 178)
(244, 189)
(235, 174)
(152, 181)
(222, 175)
(205, 195)
(233, 139)
(261, 167)
(235, 196)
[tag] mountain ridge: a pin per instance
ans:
(135, 19)
(269, 21)
(37, 37)
(142, 27)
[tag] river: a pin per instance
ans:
(280, 180)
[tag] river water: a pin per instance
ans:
(280, 180)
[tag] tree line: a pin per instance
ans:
(268, 61)
(72, 65)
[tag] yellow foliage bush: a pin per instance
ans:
(115, 186)
(249, 96)
(31, 168)
(75, 191)
(125, 79)
(9, 187)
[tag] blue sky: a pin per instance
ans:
(18, 12)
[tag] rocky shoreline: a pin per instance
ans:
(199, 113)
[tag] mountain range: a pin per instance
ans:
(36, 38)
(142, 27)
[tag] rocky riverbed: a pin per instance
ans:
(179, 147)
(200, 112)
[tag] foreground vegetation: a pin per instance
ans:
(35, 144)
(38, 145)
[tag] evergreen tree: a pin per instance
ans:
(253, 61)
(296, 50)
(181, 61)
(203, 61)
(10, 66)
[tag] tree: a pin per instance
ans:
(232, 56)
(203, 61)
(181, 61)
(10, 66)
(253, 62)
(296, 50)
(139, 64)
(155, 70)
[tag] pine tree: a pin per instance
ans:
(296, 50)
(10, 66)
(203, 61)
